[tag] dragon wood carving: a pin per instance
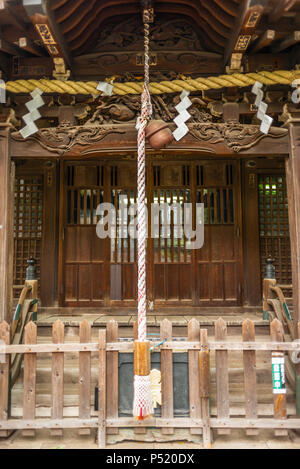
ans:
(64, 137)
(235, 135)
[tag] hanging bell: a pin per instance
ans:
(158, 134)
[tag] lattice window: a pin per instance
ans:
(218, 205)
(28, 224)
(218, 201)
(84, 194)
(170, 243)
(274, 225)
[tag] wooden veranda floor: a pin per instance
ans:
(73, 317)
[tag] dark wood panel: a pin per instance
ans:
(97, 282)
(129, 284)
(84, 282)
(159, 281)
(172, 277)
(70, 287)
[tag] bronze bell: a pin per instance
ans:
(159, 134)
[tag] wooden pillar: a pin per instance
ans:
(292, 121)
(49, 253)
(6, 225)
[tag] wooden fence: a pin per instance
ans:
(197, 345)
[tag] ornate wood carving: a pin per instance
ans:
(64, 137)
(175, 45)
(164, 35)
(236, 136)
(125, 109)
(118, 114)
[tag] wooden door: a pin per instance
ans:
(210, 276)
(171, 263)
(83, 253)
(103, 272)
(122, 248)
(218, 263)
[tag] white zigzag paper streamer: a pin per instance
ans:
(266, 121)
(183, 116)
(105, 87)
(296, 92)
(33, 114)
(2, 91)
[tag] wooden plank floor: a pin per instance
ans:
(128, 319)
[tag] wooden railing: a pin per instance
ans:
(275, 305)
(26, 310)
(198, 346)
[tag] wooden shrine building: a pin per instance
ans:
(84, 151)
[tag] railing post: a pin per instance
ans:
(4, 375)
(102, 390)
(204, 377)
(29, 391)
(268, 281)
(297, 378)
(31, 280)
(278, 372)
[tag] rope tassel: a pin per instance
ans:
(142, 400)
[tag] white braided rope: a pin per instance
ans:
(142, 399)
(141, 215)
(146, 112)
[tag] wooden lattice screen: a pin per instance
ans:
(28, 221)
(274, 225)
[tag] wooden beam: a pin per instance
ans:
(124, 140)
(282, 7)
(5, 5)
(30, 46)
(263, 41)
(12, 49)
(4, 64)
(289, 41)
(58, 35)
(238, 24)
(43, 19)
(249, 14)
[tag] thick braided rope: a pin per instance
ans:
(141, 198)
(240, 80)
(146, 111)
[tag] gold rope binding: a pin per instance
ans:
(240, 80)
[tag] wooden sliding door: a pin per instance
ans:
(84, 269)
(103, 272)
(218, 263)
